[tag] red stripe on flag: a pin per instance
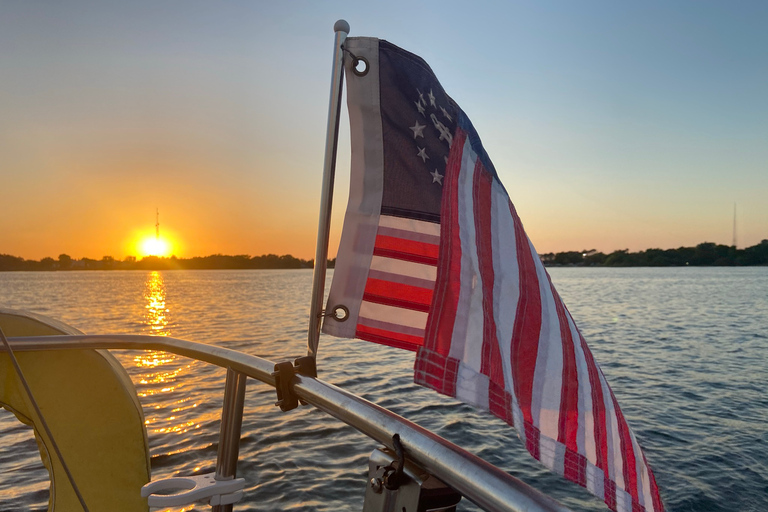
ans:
(389, 338)
(599, 428)
(397, 294)
(500, 402)
(609, 492)
(657, 504)
(407, 250)
(637, 507)
(436, 371)
(527, 329)
(627, 451)
(439, 331)
(568, 419)
(533, 440)
(490, 364)
(575, 467)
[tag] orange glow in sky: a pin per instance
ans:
(603, 138)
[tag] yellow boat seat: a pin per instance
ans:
(91, 407)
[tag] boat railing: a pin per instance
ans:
(475, 479)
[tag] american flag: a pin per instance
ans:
(434, 258)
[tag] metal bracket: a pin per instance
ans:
(395, 475)
(283, 374)
(412, 490)
(306, 366)
(193, 488)
(286, 398)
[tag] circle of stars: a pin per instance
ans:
(437, 118)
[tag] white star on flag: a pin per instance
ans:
(418, 130)
(445, 133)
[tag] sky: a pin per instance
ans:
(613, 125)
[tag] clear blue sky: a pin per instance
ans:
(612, 125)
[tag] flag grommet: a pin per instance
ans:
(357, 62)
(339, 313)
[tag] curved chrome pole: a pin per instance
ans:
(477, 480)
(326, 199)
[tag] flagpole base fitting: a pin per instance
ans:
(395, 483)
(284, 373)
(306, 366)
(199, 488)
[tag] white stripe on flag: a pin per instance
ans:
(392, 314)
(506, 271)
(467, 338)
(585, 439)
(548, 376)
(472, 386)
(404, 268)
(643, 477)
(615, 459)
(595, 480)
(416, 226)
(548, 453)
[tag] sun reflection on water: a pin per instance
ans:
(156, 316)
(162, 373)
(156, 320)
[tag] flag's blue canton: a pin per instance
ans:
(418, 123)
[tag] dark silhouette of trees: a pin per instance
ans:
(755, 255)
(65, 262)
(704, 254)
(568, 258)
(8, 262)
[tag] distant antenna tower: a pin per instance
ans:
(734, 225)
(157, 223)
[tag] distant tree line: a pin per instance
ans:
(214, 261)
(706, 254)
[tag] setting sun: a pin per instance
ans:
(152, 246)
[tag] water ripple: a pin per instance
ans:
(684, 350)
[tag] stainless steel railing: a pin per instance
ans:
(482, 483)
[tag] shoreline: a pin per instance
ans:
(706, 254)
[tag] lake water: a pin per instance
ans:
(685, 350)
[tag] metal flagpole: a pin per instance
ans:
(341, 28)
